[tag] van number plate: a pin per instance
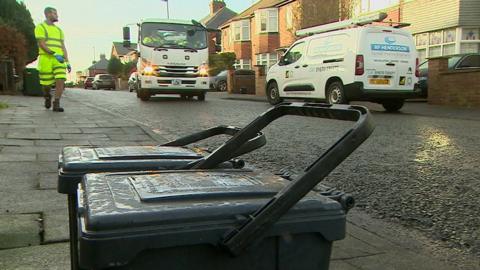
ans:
(379, 81)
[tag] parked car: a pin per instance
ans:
(132, 82)
(455, 62)
(219, 82)
(88, 83)
(105, 81)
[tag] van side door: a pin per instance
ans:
(295, 76)
(327, 57)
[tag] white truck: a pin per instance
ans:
(172, 58)
(348, 61)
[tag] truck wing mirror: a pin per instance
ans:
(126, 36)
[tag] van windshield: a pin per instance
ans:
(164, 35)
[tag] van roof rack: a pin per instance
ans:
(358, 21)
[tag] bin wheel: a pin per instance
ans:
(201, 97)
(273, 94)
(393, 105)
(335, 93)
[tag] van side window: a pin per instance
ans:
(294, 54)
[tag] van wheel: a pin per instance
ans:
(201, 97)
(335, 93)
(273, 95)
(393, 105)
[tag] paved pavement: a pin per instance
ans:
(33, 216)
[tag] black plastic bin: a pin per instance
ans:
(206, 218)
(31, 82)
(76, 161)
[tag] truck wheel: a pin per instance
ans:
(393, 105)
(201, 97)
(273, 94)
(183, 96)
(143, 95)
(335, 93)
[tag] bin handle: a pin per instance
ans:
(258, 223)
(255, 142)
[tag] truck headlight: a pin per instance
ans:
(203, 70)
(148, 70)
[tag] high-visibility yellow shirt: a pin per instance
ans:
(53, 37)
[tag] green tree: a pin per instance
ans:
(128, 68)
(115, 66)
(220, 61)
(16, 15)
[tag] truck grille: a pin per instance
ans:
(177, 71)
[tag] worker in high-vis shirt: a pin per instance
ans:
(53, 58)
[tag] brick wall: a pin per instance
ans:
(314, 12)
(211, 43)
(265, 43)
(453, 88)
(243, 49)
(260, 80)
(287, 32)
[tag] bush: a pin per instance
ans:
(3, 105)
(221, 61)
(13, 45)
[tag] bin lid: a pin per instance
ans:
(206, 204)
(90, 159)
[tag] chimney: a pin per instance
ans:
(102, 56)
(216, 5)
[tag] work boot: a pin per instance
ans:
(56, 106)
(48, 98)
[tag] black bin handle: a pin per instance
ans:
(255, 142)
(258, 223)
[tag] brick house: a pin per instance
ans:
(219, 14)
(256, 33)
(440, 27)
(124, 54)
(99, 67)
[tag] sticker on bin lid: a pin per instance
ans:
(146, 152)
(199, 185)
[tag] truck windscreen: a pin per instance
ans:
(163, 35)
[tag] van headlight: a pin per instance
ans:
(203, 70)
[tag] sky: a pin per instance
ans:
(90, 26)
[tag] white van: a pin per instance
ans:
(371, 63)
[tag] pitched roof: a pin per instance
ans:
(218, 18)
(122, 50)
(259, 5)
(101, 64)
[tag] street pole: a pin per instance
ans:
(168, 11)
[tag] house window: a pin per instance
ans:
(267, 59)
(448, 41)
(267, 20)
(470, 42)
(241, 30)
(243, 64)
